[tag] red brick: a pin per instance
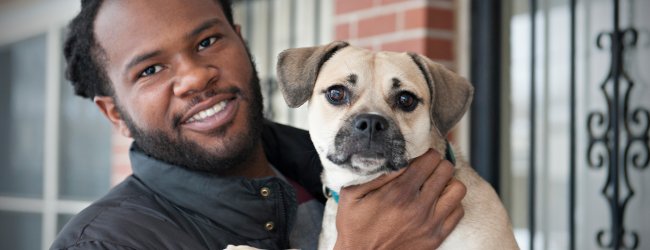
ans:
(377, 25)
(436, 49)
(122, 169)
(440, 49)
(120, 172)
(343, 31)
(441, 18)
(431, 18)
(413, 45)
(345, 6)
(386, 2)
(121, 148)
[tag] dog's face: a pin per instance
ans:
(368, 111)
(371, 112)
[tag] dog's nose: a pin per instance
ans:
(369, 124)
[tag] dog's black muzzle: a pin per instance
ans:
(370, 136)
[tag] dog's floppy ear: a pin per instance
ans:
(298, 69)
(451, 93)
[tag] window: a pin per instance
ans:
(56, 152)
(21, 130)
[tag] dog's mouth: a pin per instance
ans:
(369, 144)
(367, 163)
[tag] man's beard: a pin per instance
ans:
(227, 159)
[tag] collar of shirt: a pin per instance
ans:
(255, 208)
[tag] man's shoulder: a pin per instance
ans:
(291, 151)
(129, 217)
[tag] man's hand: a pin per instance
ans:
(414, 208)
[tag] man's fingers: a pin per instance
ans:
(449, 200)
(451, 222)
(359, 191)
(417, 172)
(437, 182)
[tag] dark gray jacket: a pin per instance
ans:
(162, 206)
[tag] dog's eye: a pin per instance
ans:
(337, 95)
(407, 101)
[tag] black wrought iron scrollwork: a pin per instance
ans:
(607, 138)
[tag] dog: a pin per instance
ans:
(372, 112)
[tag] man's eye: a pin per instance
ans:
(207, 42)
(151, 70)
(407, 101)
(337, 95)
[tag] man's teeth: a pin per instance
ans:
(209, 112)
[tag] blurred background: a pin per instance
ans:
(559, 124)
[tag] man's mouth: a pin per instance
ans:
(208, 112)
(212, 114)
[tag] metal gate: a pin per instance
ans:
(599, 51)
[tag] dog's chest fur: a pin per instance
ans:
(485, 225)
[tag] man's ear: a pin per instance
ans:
(237, 29)
(451, 93)
(298, 69)
(108, 107)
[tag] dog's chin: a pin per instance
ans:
(364, 164)
(351, 169)
(367, 164)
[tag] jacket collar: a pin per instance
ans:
(233, 203)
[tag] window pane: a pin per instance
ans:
(20, 230)
(84, 147)
(22, 95)
(61, 220)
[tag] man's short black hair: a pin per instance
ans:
(84, 56)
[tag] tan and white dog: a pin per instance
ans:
(372, 112)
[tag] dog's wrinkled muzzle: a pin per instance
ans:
(369, 143)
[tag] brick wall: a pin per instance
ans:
(421, 26)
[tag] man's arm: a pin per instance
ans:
(416, 207)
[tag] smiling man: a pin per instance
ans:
(208, 170)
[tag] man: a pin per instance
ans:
(208, 170)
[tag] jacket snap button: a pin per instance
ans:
(265, 192)
(269, 226)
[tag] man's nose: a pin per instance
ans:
(194, 76)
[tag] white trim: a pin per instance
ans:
(29, 205)
(51, 154)
(327, 21)
(23, 205)
(70, 206)
(462, 50)
(21, 21)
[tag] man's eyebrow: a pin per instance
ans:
(140, 58)
(204, 26)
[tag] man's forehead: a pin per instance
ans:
(128, 26)
(148, 15)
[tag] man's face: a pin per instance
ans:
(183, 79)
